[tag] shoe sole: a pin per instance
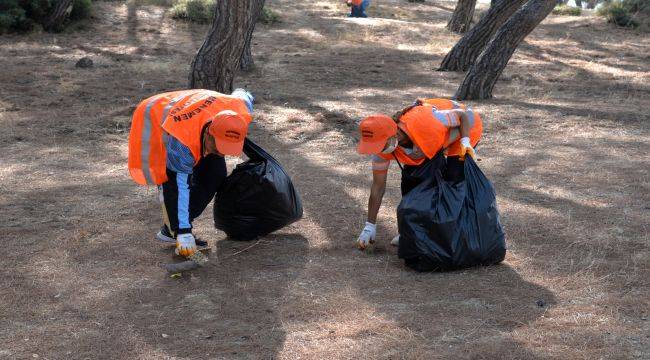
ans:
(165, 239)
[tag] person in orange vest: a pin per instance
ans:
(178, 141)
(358, 7)
(413, 137)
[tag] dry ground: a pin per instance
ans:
(566, 145)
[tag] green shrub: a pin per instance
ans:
(268, 16)
(202, 11)
(81, 9)
(199, 11)
(627, 13)
(24, 15)
(567, 10)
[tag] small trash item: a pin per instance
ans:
(257, 198)
(446, 225)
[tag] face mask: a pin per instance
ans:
(391, 146)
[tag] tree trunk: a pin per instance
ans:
(462, 16)
(469, 47)
(246, 62)
(218, 59)
(579, 3)
(591, 4)
(480, 79)
(57, 15)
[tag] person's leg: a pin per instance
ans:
(206, 179)
(170, 203)
(362, 8)
(474, 137)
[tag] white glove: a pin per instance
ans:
(185, 244)
(466, 148)
(367, 236)
(395, 241)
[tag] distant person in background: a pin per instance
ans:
(358, 7)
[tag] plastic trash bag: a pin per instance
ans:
(446, 225)
(257, 198)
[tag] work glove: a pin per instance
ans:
(466, 148)
(185, 244)
(367, 236)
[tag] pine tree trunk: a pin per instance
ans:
(579, 3)
(483, 75)
(246, 62)
(462, 16)
(57, 15)
(218, 59)
(469, 47)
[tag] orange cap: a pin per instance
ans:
(375, 131)
(229, 130)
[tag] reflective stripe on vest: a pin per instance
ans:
(181, 114)
(145, 138)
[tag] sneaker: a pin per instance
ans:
(395, 241)
(164, 235)
(200, 243)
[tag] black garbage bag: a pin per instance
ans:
(447, 225)
(257, 198)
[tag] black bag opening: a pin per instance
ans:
(257, 198)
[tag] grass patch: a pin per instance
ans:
(198, 11)
(627, 13)
(269, 16)
(25, 15)
(567, 10)
(202, 11)
(81, 9)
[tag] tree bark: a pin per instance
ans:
(469, 47)
(462, 17)
(219, 58)
(579, 3)
(57, 15)
(483, 75)
(246, 63)
(591, 4)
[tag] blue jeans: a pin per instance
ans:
(360, 11)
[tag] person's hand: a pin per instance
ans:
(185, 244)
(348, 3)
(466, 148)
(367, 236)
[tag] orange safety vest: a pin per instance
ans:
(428, 133)
(181, 114)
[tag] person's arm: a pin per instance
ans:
(245, 96)
(377, 191)
(460, 118)
(379, 176)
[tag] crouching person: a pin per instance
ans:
(178, 141)
(413, 137)
(358, 7)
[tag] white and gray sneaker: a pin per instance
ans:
(395, 241)
(165, 236)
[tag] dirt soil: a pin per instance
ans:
(566, 145)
